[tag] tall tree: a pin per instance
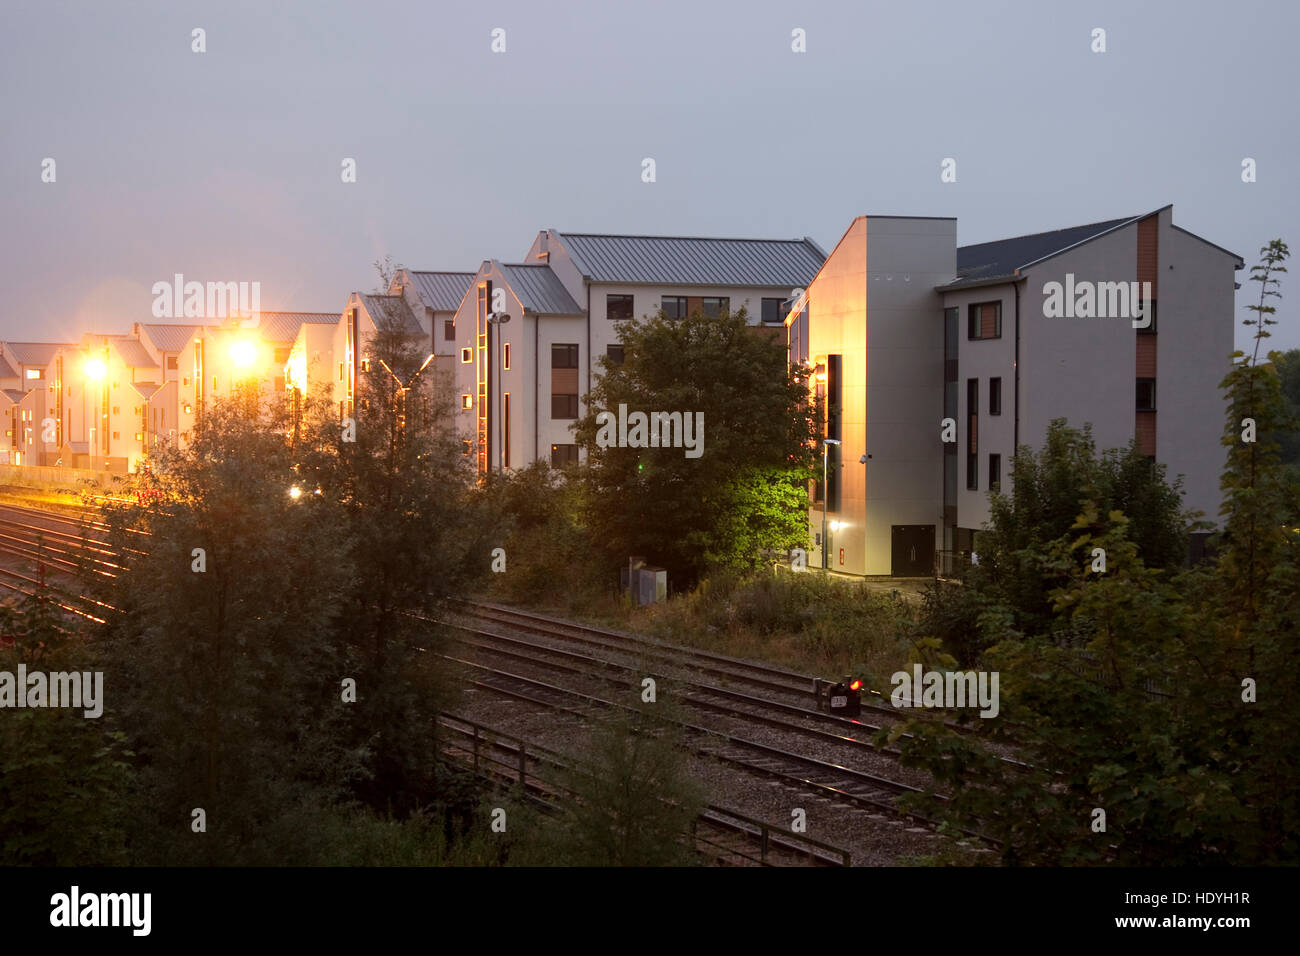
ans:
(744, 493)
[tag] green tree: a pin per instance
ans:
(225, 674)
(747, 491)
(63, 775)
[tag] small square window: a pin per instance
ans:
(564, 356)
(466, 447)
(984, 321)
(466, 356)
(775, 311)
(466, 400)
(1146, 395)
(171, 363)
(563, 456)
(564, 406)
(615, 353)
(618, 307)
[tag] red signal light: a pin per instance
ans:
(856, 685)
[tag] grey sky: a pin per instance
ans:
(226, 165)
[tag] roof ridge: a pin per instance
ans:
(632, 235)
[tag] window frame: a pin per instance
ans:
(973, 321)
(610, 298)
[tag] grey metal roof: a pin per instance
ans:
(35, 354)
(7, 370)
(169, 338)
(393, 308)
(540, 290)
(442, 291)
(684, 260)
(133, 354)
(985, 261)
(284, 326)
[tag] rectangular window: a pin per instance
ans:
(564, 455)
(506, 423)
(984, 321)
(466, 447)
(1146, 395)
(674, 306)
(187, 381)
(281, 356)
(171, 363)
(466, 400)
(775, 311)
(713, 306)
(466, 357)
(35, 373)
(507, 355)
(564, 406)
(618, 307)
(995, 396)
(615, 354)
(995, 471)
(972, 430)
(449, 329)
(564, 356)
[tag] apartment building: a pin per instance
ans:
(915, 340)
(29, 372)
(566, 301)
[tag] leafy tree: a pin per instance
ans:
(747, 491)
(414, 533)
(1288, 370)
(62, 774)
(225, 675)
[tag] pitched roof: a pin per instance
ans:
(284, 326)
(442, 291)
(133, 354)
(685, 260)
(393, 308)
(145, 389)
(169, 338)
(540, 290)
(33, 353)
(1001, 258)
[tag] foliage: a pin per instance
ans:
(745, 494)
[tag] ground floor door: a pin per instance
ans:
(912, 550)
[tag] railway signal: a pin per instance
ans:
(844, 698)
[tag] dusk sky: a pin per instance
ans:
(225, 165)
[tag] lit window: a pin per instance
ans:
(466, 400)
(35, 373)
(467, 355)
(507, 358)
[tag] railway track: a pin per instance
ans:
(725, 837)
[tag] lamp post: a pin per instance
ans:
(499, 319)
(826, 496)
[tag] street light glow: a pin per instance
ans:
(295, 492)
(96, 369)
(243, 353)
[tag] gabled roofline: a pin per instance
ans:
(960, 285)
(1241, 263)
(1083, 242)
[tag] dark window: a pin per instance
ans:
(171, 362)
(995, 396)
(972, 430)
(713, 306)
(564, 406)
(674, 306)
(615, 353)
(1146, 395)
(466, 447)
(972, 472)
(775, 311)
(505, 418)
(984, 320)
(449, 329)
(466, 356)
(564, 455)
(972, 396)
(564, 356)
(618, 307)
(995, 471)
(1150, 329)
(507, 355)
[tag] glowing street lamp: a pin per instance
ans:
(95, 370)
(243, 353)
(295, 492)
